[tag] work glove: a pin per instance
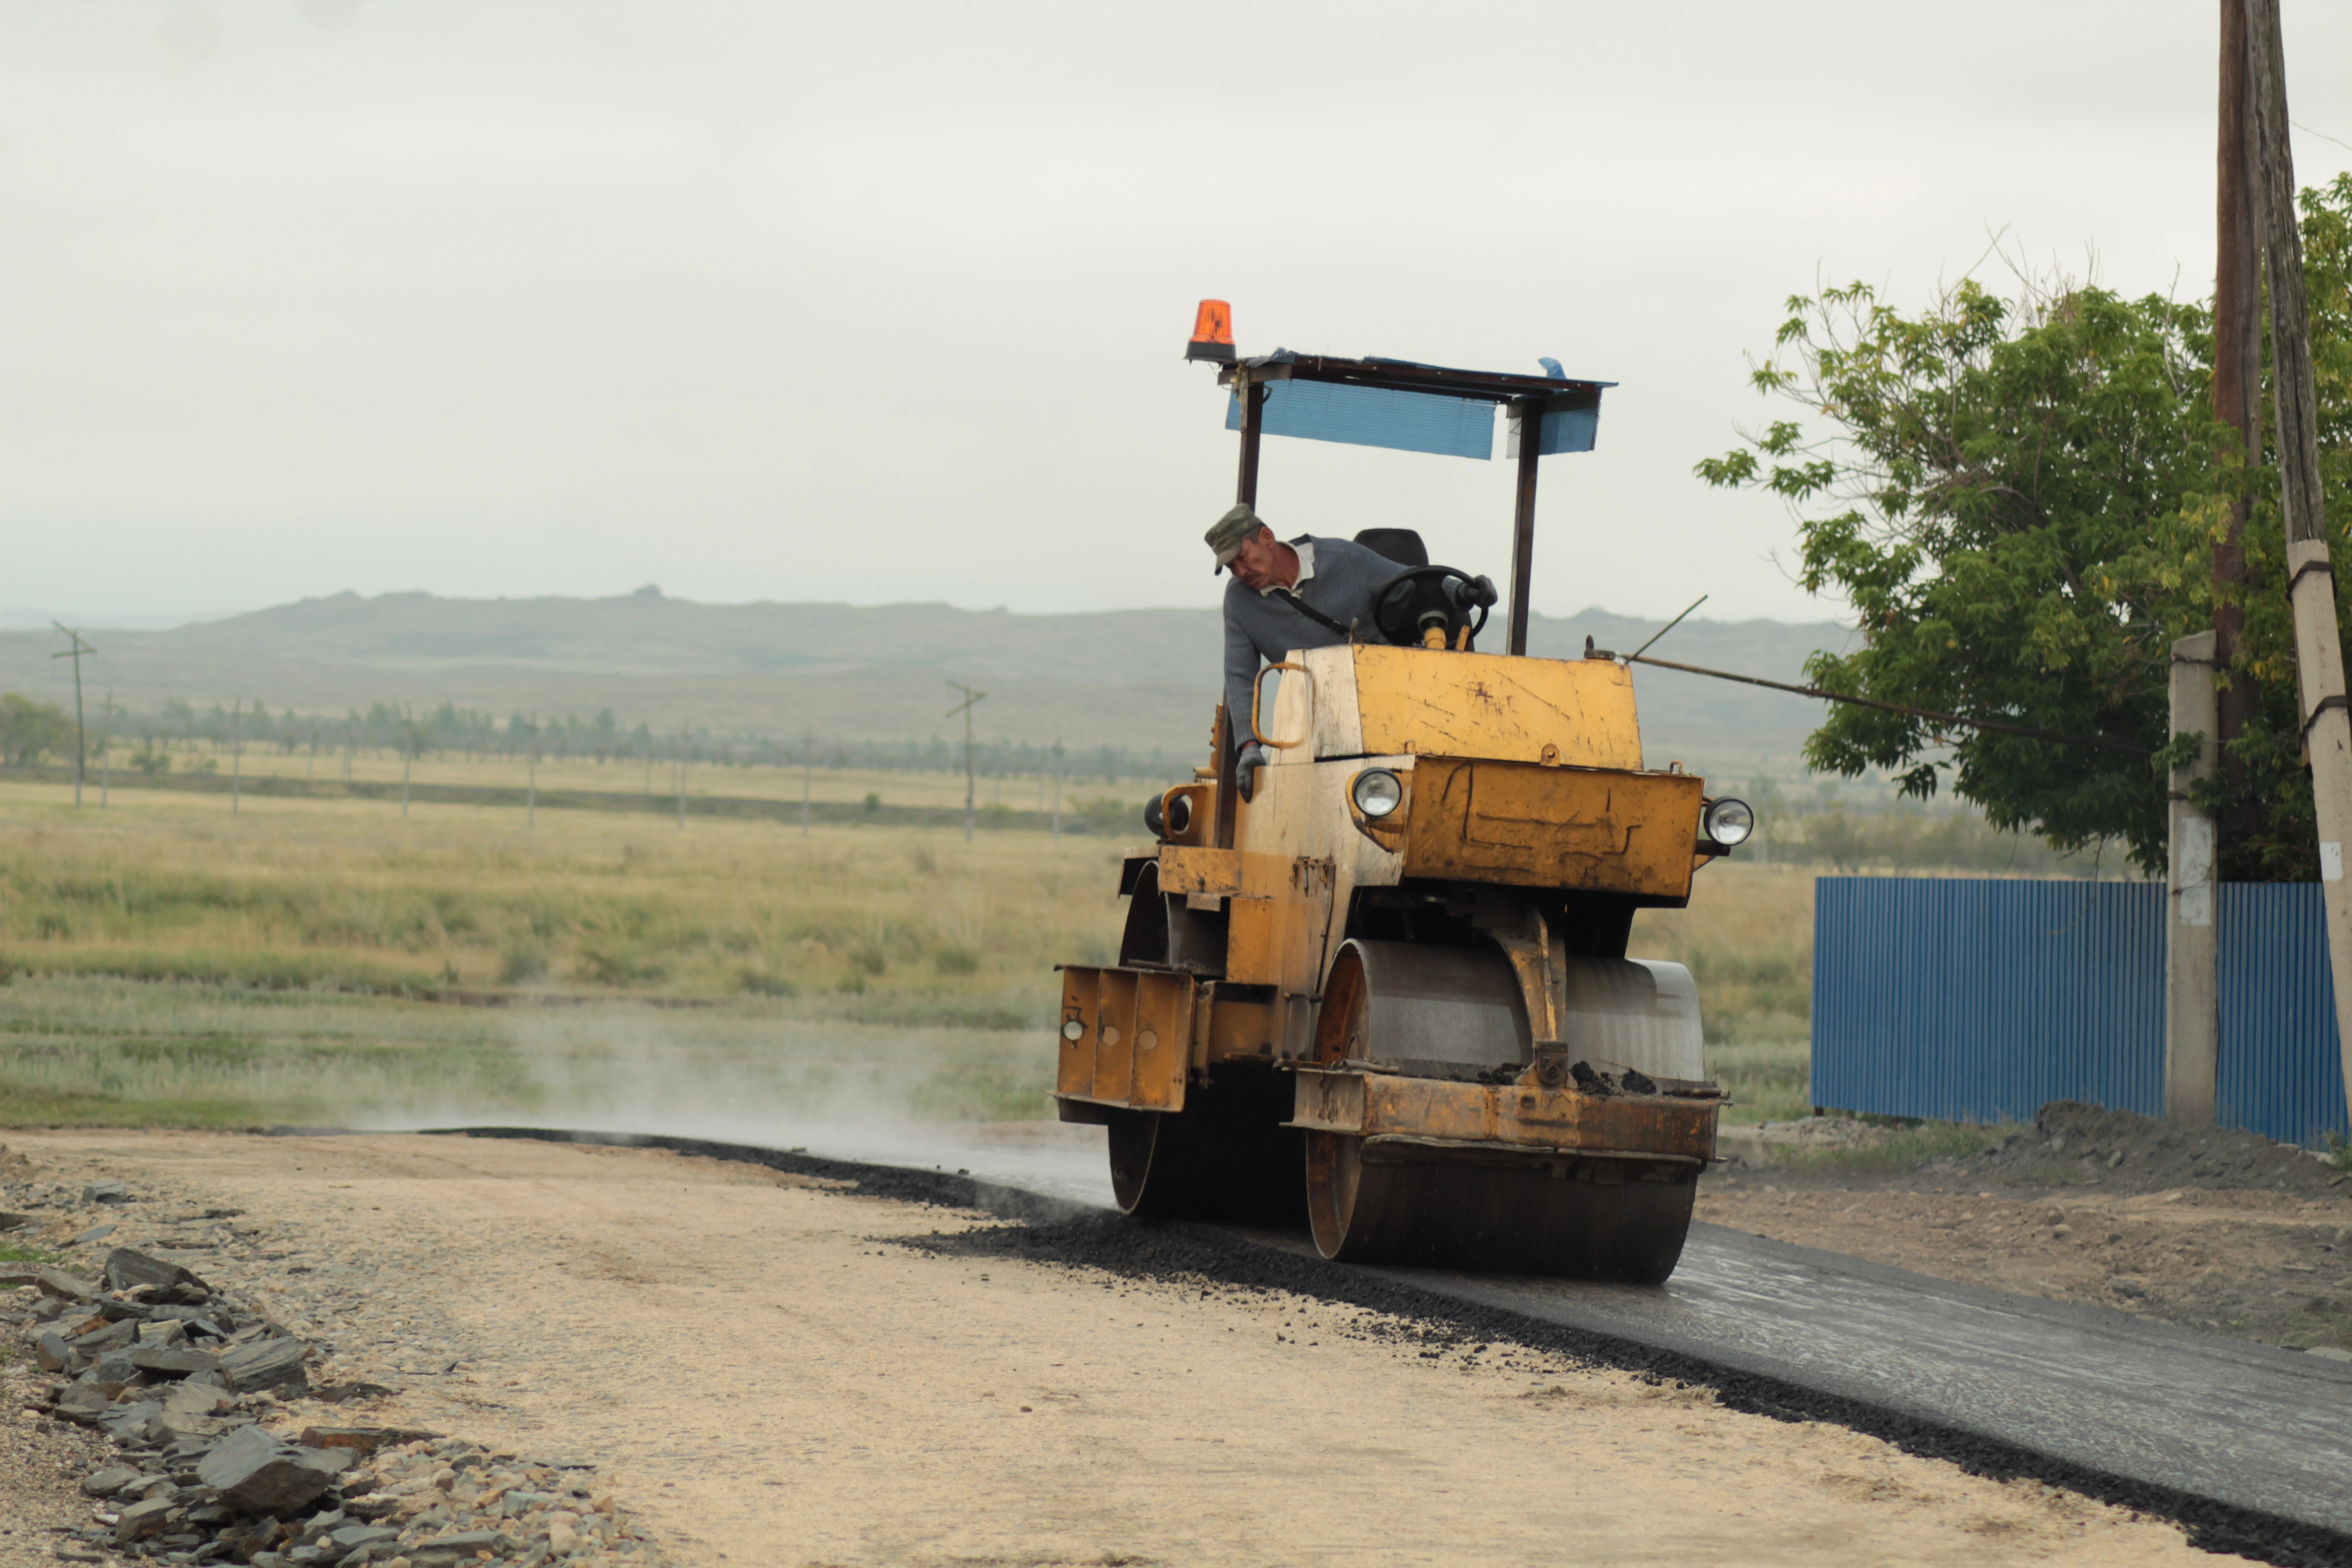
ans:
(1245, 767)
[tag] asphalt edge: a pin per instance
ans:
(2213, 1524)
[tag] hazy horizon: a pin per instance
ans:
(884, 302)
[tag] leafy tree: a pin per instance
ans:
(28, 729)
(2018, 500)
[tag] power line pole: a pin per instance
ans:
(2311, 578)
(964, 708)
(81, 748)
(808, 766)
(2237, 385)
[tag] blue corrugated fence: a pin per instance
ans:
(1970, 999)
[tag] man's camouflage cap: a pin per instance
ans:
(1226, 534)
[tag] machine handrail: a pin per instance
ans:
(1257, 689)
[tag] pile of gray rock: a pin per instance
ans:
(185, 1380)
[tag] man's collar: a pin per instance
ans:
(1304, 548)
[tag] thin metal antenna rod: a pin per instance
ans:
(964, 708)
(1670, 625)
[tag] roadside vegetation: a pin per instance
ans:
(329, 961)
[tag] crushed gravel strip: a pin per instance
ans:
(1050, 1231)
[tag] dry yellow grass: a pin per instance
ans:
(314, 892)
(178, 964)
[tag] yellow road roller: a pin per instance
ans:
(1387, 995)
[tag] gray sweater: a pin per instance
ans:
(1348, 579)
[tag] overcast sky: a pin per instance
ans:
(884, 301)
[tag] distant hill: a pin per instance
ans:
(1140, 678)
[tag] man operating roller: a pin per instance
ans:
(1307, 593)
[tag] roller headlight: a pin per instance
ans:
(1729, 822)
(1377, 793)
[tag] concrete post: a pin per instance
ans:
(2191, 946)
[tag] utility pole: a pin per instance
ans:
(106, 753)
(2237, 384)
(808, 766)
(236, 756)
(81, 748)
(964, 708)
(2311, 578)
(2191, 946)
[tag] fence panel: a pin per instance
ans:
(2278, 1072)
(1976, 999)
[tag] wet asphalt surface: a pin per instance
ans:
(2247, 1446)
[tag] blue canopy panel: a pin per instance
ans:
(1381, 416)
(1571, 422)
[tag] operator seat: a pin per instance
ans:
(1401, 545)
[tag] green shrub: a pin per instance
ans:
(953, 959)
(522, 964)
(764, 982)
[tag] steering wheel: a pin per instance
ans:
(1433, 598)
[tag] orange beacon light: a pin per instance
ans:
(1212, 332)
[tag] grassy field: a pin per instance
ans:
(847, 786)
(311, 962)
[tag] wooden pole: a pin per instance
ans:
(965, 708)
(2237, 384)
(75, 649)
(1522, 520)
(2192, 950)
(2311, 578)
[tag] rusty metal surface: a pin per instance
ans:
(1600, 831)
(1187, 869)
(1134, 1031)
(1391, 701)
(1513, 1116)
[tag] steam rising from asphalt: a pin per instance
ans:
(852, 1091)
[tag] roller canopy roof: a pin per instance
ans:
(1409, 407)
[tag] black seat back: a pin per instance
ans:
(1401, 545)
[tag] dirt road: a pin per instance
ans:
(764, 1377)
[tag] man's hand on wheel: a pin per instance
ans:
(1245, 767)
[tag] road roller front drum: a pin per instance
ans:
(1456, 1014)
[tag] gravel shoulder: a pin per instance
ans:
(765, 1369)
(2216, 1230)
